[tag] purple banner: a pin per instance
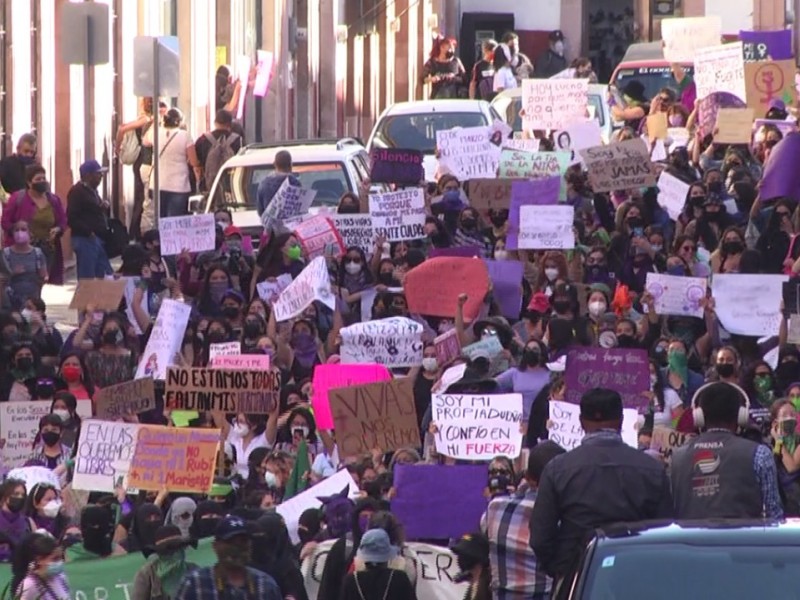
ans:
(396, 165)
(781, 178)
(506, 276)
(766, 45)
(463, 251)
(708, 108)
(623, 370)
(425, 500)
(524, 193)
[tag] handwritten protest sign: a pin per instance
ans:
(491, 348)
(486, 194)
(396, 165)
(518, 164)
(564, 427)
(19, 424)
(623, 370)
(766, 45)
(677, 137)
(506, 277)
(526, 144)
(708, 108)
(127, 398)
(432, 288)
(546, 228)
(734, 126)
(398, 215)
(656, 127)
(767, 81)
(679, 296)
(682, 38)
(447, 346)
(375, 415)
(537, 192)
(469, 152)
(248, 362)
(222, 390)
(102, 294)
(720, 69)
(223, 349)
(264, 62)
(289, 201)
(672, 193)
(195, 233)
(318, 237)
(619, 166)
(329, 376)
(105, 451)
(175, 459)
(356, 230)
(578, 136)
(748, 304)
(665, 440)
(478, 427)
(270, 291)
(165, 340)
(394, 342)
(313, 283)
(552, 104)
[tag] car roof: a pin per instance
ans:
(433, 106)
(755, 532)
(309, 152)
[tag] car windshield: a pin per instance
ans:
(693, 572)
(652, 78)
(418, 131)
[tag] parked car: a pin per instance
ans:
(645, 63)
(413, 125)
(331, 167)
(693, 560)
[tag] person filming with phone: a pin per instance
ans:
(786, 450)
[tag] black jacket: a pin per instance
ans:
(373, 584)
(600, 482)
(85, 214)
(12, 174)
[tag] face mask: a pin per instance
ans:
(531, 357)
(217, 289)
(678, 363)
(24, 363)
(300, 430)
(677, 270)
(26, 160)
(430, 364)
(468, 223)
(597, 308)
(51, 438)
(725, 370)
(21, 237)
(271, 479)
(562, 306)
(51, 509)
(386, 279)
(657, 247)
(45, 390)
(675, 121)
(498, 220)
(15, 504)
(353, 268)
(715, 187)
(54, 569)
(294, 253)
(558, 48)
(733, 247)
(763, 383)
(551, 273)
(240, 430)
(41, 187)
(237, 556)
(62, 414)
(230, 312)
(71, 374)
(501, 255)
(112, 337)
(347, 209)
(252, 329)
(626, 341)
(216, 337)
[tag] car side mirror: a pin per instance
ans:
(196, 203)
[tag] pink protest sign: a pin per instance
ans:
(263, 73)
(447, 346)
(258, 362)
(319, 237)
(328, 377)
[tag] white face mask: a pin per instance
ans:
(597, 308)
(271, 479)
(302, 429)
(558, 48)
(430, 364)
(62, 414)
(51, 509)
(500, 255)
(26, 314)
(240, 430)
(551, 274)
(353, 268)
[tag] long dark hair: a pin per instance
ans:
(32, 547)
(285, 432)
(86, 378)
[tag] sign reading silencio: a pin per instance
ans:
(396, 165)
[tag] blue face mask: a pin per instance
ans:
(55, 568)
(677, 270)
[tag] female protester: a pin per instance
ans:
(529, 378)
(685, 248)
(258, 307)
(443, 70)
(759, 383)
(14, 525)
(553, 270)
(206, 517)
(254, 328)
(424, 379)
(181, 515)
(45, 215)
(406, 560)
(216, 283)
(437, 235)
(766, 138)
(273, 555)
(65, 407)
(160, 577)
(665, 405)
(76, 376)
(27, 265)
(787, 454)
(377, 580)
(635, 104)
(217, 331)
(725, 259)
(303, 351)
(677, 375)
(793, 395)
(353, 277)
(97, 531)
(43, 507)
(113, 361)
(136, 531)
(16, 384)
(709, 227)
(52, 453)
(727, 365)
(257, 478)
(629, 241)
(349, 204)
(693, 207)
(247, 433)
(46, 338)
(38, 570)
(503, 73)
(469, 233)
(597, 305)
(300, 426)
(282, 255)
(777, 242)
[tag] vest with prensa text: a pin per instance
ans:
(713, 477)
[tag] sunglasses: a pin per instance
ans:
(688, 249)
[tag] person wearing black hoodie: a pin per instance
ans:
(272, 554)
(206, 517)
(147, 518)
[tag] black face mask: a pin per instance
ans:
(252, 329)
(531, 357)
(498, 220)
(465, 563)
(725, 370)
(15, 504)
(733, 247)
(45, 390)
(712, 216)
(386, 279)
(51, 438)
(24, 363)
(562, 306)
(499, 484)
(112, 337)
(468, 224)
(348, 209)
(626, 341)
(635, 222)
(715, 187)
(41, 187)
(230, 312)
(697, 201)
(204, 528)
(216, 337)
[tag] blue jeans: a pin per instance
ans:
(90, 258)
(173, 204)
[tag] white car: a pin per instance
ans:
(413, 125)
(330, 167)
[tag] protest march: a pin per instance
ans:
(431, 389)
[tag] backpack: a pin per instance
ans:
(129, 148)
(219, 153)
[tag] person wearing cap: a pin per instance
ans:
(635, 105)
(231, 577)
(601, 481)
(721, 475)
(377, 580)
(472, 556)
(240, 263)
(515, 571)
(552, 61)
(87, 218)
(166, 566)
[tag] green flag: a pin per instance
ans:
(298, 479)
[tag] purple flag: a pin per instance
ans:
(426, 504)
(708, 108)
(463, 251)
(781, 178)
(623, 370)
(766, 45)
(523, 193)
(506, 276)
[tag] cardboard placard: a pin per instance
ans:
(356, 230)
(318, 237)
(665, 440)
(313, 283)
(394, 342)
(682, 38)
(769, 80)
(734, 126)
(432, 288)
(195, 233)
(399, 215)
(258, 362)
(328, 377)
(657, 126)
(486, 194)
(720, 69)
(103, 294)
(222, 390)
(377, 415)
(624, 370)
(447, 347)
(105, 451)
(175, 459)
(552, 104)
(469, 152)
(396, 165)
(131, 397)
(619, 166)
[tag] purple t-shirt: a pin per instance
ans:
(528, 383)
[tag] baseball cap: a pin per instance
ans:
(474, 545)
(601, 404)
(776, 104)
(556, 36)
(230, 527)
(92, 166)
(232, 230)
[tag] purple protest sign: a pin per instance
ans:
(425, 504)
(462, 251)
(396, 165)
(447, 347)
(766, 45)
(506, 276)
(623, 370)
(523, 193)
(781, 178)
(708, 108)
